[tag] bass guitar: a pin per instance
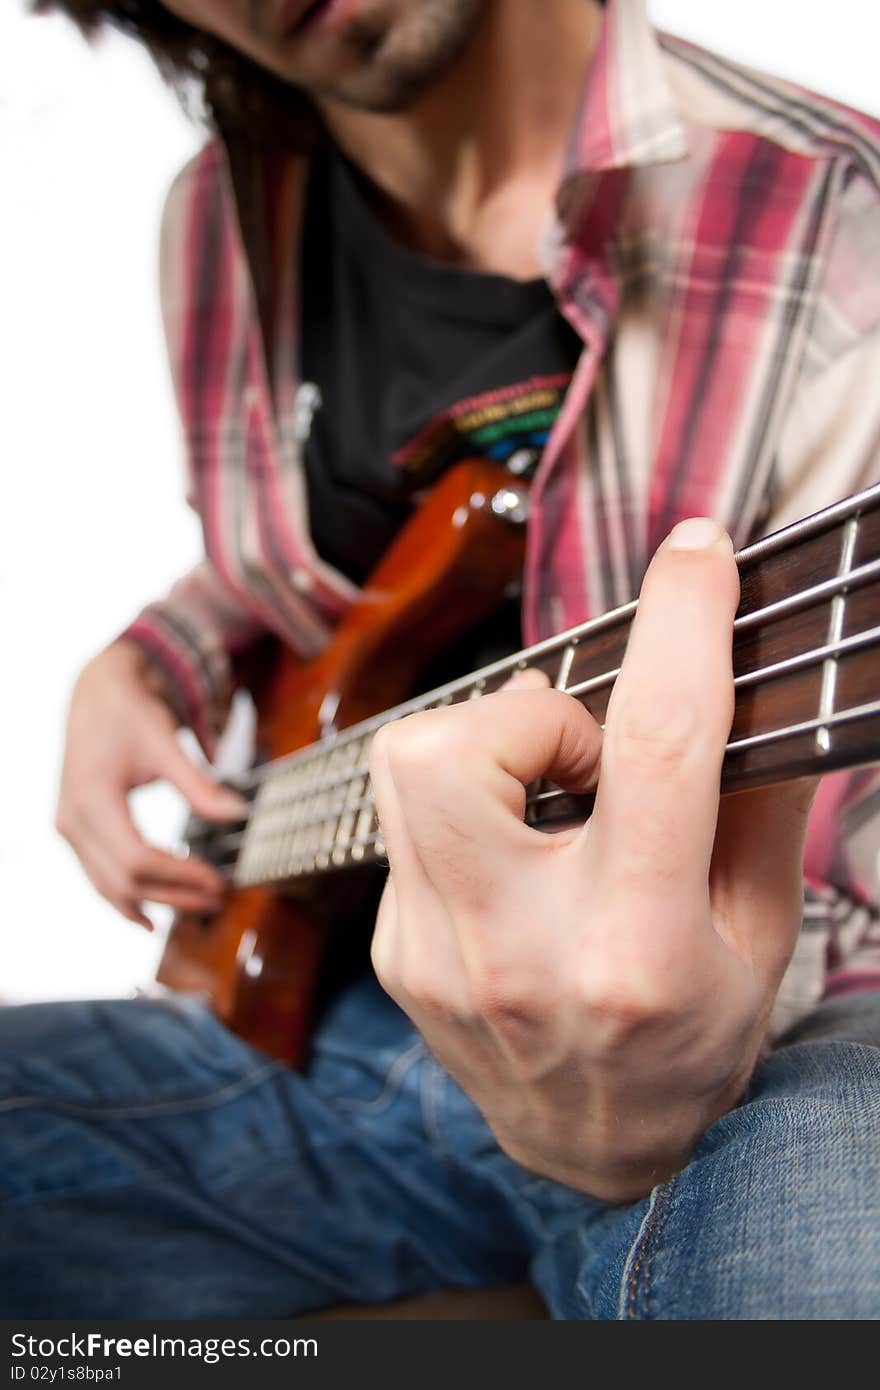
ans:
(807, 687)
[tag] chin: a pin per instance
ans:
(381, 91)
(392, 53)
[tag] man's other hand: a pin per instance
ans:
(122, 734)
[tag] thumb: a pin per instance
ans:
(758, 857)
(760, 834)
(206, 796)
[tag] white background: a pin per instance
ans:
(92, 522)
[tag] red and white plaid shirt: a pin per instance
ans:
(716, 243)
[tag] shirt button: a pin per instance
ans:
(301, 580)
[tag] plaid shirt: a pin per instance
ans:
(715, 242)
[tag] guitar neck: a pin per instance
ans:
(807, 702)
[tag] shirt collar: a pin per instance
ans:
(628, 115)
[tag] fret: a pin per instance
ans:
(316, 826)
(835, 632)
(359, 847)
(311, 777)
(331, 784)
(277, 847)
(564, 671)
(310, 774)
(808, 597)
(366, 824)
(830, 653)
(249, 860)
(858, 714)
(326, 833)
(285, 855)
(306, 813)
(344, 829)
(275, 853)
(313, 837)
(355, 790)
(352, 752)
(581, 804)
(338, 799)
(303, 861)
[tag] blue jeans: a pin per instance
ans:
(152, 1165)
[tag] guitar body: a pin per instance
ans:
(259, 959)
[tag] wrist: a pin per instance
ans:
(617, 1176)
(644, 1139)
(131, 660)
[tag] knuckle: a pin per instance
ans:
(509, 1004)
(434, 995)
(422, 986)
(423, 745)
(431, 1002)
(383, 963)
(622, 1005)
(652, 737)
(518, 1016)
(73, 811)
(135, 862)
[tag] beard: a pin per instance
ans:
(394, 53)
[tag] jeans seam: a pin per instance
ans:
(638, 1266)
(433, 1080)
(155, 1108)
(394, 1079)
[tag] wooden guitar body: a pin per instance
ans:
(258, 960)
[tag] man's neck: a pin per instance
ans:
(467, 174)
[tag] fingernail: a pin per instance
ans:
(697, 533)
(518, 678)
(530, 678)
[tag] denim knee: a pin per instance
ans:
(778, 1213)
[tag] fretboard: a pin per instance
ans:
(807, 686)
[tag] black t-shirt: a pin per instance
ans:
(407, 365)
(417, 364)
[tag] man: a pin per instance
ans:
(618, 1127)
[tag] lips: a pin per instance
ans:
(295, 15)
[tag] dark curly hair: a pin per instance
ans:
(236, 95)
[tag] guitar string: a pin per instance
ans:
(304, 863)
(844, 647)
(792, 603)
(771, 737)
(321, 752)
(822, 523)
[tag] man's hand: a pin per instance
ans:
(121, 734)
(601, 994)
